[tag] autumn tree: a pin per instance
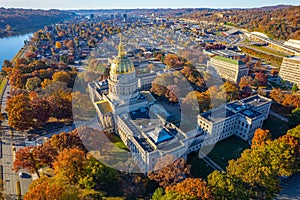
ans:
(46, 82)
(173, 93)
(58, 45)
(32, 83)
(173, 61)
(202, 99)
(245, 81)
(52, 188)
(40, 105)
(60, 108)
(70, 164)
(20, 115)
(66, 140)
(169, 172)
(158, 89)
(260, 138)
(277, 95)
(17, 79)
(61, 76)
(231, 90)
(192, 187)
(261, 79)
(26, 158)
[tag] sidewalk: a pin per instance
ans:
(278, 116)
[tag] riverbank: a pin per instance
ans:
(11, 47)
(4, 79)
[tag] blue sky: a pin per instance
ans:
(104, 4)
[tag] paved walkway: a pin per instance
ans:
(290, 188)
(278, 116)
(209, 161)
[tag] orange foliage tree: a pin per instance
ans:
(260, 138)
(192, 187)
(169, 172)
(70, 163)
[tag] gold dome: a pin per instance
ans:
(121, 64)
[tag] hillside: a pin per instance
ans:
(15, 21)
(280, 22)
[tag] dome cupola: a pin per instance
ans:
(121, 64)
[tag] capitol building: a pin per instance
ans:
(125, 109)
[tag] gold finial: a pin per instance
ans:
(121, 47)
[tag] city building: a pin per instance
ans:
(240, 118)
(293, 43)
(228, 68)
(290, 70)
(125, 109)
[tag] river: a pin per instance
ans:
(10, 46)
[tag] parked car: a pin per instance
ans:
(21, 174)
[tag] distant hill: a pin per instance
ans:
(280, 22)
(266, 8)
(15, 21)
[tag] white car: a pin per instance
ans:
(21, 174)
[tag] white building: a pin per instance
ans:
(293, 43)
(143, 126)
(240, 118)
(228, 68)
(290, 70)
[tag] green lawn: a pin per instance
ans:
(276, 126)
(221, 153)
(199, 167)
(116, 140)
(2, 84)
(228, 149)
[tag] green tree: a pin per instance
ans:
(32, 83)
(295, 88)
(96, 173)
(224, 186)
(294, 119)
(158, 194)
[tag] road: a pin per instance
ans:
(10, 142)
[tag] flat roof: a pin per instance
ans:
(104, 106)
(255, 100)
(217, 114)
(229, 60)
(237, 106)
(144, 144)
(251, 113)
(295, 58)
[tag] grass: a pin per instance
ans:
(2, 84)
(276, 126)
(221, 153)
(116, 141)
(199, 167)
(269, 50)
(228, 149)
